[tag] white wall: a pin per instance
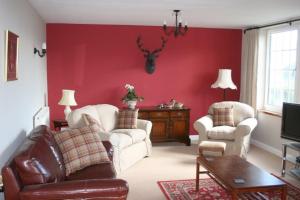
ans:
(21, 99)
(267, 135)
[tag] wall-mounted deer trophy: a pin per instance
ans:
(150, 55)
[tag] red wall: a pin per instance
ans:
(98, 60)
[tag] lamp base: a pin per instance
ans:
(224, 94)
(67, 112)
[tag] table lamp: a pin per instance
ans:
(67, 100)
(224, 81)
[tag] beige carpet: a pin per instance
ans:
(174, 161)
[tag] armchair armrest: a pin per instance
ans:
(202, 125)
(145, 125)
(83, 189)
(246, 126)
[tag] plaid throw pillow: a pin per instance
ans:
(89, 120)
(223, 117)
(127, 119)
(81, 148)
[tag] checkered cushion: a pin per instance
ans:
(223, 117)
(89, 120)
(127, 119)
(81, 148)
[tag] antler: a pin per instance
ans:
(140, 45)
(164, 41)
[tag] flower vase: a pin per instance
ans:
(131, 104)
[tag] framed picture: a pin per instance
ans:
(11, 55)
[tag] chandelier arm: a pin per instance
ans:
(168, 33)
(179, 29)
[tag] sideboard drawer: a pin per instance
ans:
(159, 114)
(143, 115)
(168, 124)
(179, 114)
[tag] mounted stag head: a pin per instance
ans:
(150, 56)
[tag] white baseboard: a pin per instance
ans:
(272, 150)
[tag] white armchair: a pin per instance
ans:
(129, 145)
(237, 138)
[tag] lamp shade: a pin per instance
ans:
(224, 80)
(67, 98)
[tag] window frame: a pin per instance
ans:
(269, 32)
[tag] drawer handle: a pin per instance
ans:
(179, 114)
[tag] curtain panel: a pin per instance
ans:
(249, 68)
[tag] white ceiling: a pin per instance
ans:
(198, 13)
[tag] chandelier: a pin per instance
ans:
(178, 29)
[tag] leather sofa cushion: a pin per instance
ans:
(40, 162)
(99, 171)
(137, 135)
(221, 133)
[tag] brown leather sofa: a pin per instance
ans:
(36, 171)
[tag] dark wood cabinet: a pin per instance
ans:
(59, 123)
(168, 124)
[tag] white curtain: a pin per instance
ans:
(249, 68)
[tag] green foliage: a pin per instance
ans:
(132, 96)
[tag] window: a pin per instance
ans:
(281, 64)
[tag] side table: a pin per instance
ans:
(59, 123)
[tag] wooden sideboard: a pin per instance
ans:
(168, 124)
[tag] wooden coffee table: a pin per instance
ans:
(226, 169)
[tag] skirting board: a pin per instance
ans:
(291, 158)
(272, 150)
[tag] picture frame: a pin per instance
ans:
(11, 55)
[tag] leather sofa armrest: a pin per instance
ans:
(109, 149)
(145, 125)
(202, 125)
(82, 189)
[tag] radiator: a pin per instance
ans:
(42, 117)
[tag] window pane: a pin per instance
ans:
(282, 67)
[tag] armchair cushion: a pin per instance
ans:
(89, 120)
(81, 148)
(137, 135)
(127, 119)
(120, 140)
(223, 117)
(221, 133)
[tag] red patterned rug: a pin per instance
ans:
(210, 190)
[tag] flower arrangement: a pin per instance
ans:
(131, 95)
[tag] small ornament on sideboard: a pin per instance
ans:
(131, 98)
(173, 104)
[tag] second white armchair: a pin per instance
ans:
(237, 137)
